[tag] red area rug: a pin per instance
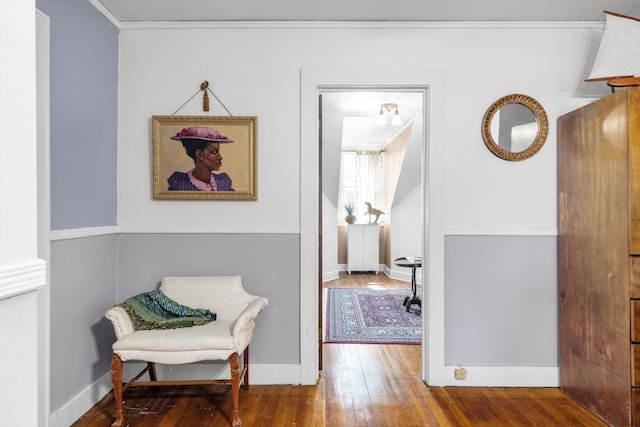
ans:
(371, 316)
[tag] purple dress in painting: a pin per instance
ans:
(180, 181)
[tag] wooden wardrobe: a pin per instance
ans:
(599, 256)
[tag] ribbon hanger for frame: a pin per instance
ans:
(204, 87)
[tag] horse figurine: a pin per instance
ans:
(373, 211)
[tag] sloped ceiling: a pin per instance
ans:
(348, 122)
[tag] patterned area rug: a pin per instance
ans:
(371, 316)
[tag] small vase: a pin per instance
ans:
(350, 219)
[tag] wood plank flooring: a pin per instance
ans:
(360, 385)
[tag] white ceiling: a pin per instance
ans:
(366, 10)
(355, 112)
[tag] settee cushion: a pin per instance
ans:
(214, 335)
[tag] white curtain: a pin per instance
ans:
(361, 181)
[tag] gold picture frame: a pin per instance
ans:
(239, 162)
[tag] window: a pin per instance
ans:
(361, 180)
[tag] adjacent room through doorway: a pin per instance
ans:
(372, 146)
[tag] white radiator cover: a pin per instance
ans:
(363, 247)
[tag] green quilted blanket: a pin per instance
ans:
(155, 310)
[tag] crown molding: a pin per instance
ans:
(344, 25)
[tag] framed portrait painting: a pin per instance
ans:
(204, 157)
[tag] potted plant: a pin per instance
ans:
(350, 218)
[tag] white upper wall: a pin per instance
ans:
(256, 72)
(18, 157)
(21, 363)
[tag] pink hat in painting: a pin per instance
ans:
(202, 133)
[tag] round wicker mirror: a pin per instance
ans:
(515, 127)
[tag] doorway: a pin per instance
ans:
(371, 146)
(312, 83)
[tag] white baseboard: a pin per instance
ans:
(82, 402)
(404, 275)
(331, 275)
(259, 375)
(275, 374)
(483, 376)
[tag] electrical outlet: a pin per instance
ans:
(460, 373)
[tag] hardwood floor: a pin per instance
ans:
(361, 280)
(360, 385)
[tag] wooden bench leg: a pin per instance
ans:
(234, 364)
(152, 371)
(245, 383)
(116, 379)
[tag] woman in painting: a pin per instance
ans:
(202, 144)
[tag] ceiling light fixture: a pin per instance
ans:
(382, 119)
(396, 118)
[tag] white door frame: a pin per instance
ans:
(313, 81)
(44, 212)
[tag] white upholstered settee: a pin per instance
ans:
(226, 338)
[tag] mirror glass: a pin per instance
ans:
(515, 127)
